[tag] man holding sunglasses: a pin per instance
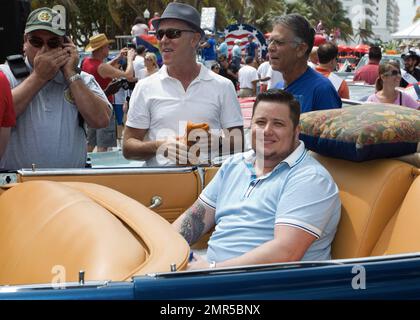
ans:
(50, 101)
(182, 91)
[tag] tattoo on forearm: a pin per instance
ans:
(193, 224)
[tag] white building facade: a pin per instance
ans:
(382, 15)
(388, 19)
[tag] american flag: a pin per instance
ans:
(241, 32)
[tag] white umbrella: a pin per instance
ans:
(412, 32)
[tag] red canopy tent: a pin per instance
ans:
(342, 48)
(362, 48)
(319, 39)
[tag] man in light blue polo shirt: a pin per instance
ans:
(272, 204)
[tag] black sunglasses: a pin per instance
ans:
(171, 33)
(52, 43)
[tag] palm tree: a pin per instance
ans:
(364, 34)
(332, 15)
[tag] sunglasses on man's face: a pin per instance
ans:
(52, 43)
(171, 33)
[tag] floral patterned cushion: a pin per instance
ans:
(362, 132)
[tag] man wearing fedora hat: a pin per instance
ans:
(183, 90)
(50, 100)
(104, 72)
(410, 74)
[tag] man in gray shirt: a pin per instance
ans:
(48, 102)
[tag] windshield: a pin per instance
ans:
(385, 58)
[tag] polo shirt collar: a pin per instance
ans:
(203, 75)
(296, 156)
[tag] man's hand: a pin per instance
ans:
(131, 54)
(123, 53)
(205, 146)
(69, 69)
(198, 263)
(48, 63)
(174, 149)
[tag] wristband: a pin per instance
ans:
(74, 78)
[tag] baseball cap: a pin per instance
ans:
(45, 19)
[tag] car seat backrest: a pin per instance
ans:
(371, 192)
(401, 234)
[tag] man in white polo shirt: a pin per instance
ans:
(248, 79)
(182, 91)
(272, 204)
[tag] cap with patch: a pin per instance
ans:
(45, 19)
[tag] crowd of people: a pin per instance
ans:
(57, 113)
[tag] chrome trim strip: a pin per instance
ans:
(249, 268)
(287, 265)
(102, 171)
(57, 286)
(380, 258)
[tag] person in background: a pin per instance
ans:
(410, 74)
(290, 44)
(327, 56)
(139, 27)
(222, 49)
(209, 50)
(53, 102)
(215, 68)
(156, 16)
(389, 78)
(7, 112)
(138, 63)
(369, 73)
(272, 204)
(269, 78)
(151, 66)
(313, 58)
(237, 54)
(104, 72)
(119, 99)
(228, 71)
(251, 49)
(248, 79)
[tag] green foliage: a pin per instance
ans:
(115, 17)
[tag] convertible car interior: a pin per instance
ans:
(101, 224)
(47, 226)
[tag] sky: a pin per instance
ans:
(407, 13)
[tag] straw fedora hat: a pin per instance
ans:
(97, 42)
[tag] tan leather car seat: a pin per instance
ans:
(48, 227)
(371, 192)
(402, 235)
